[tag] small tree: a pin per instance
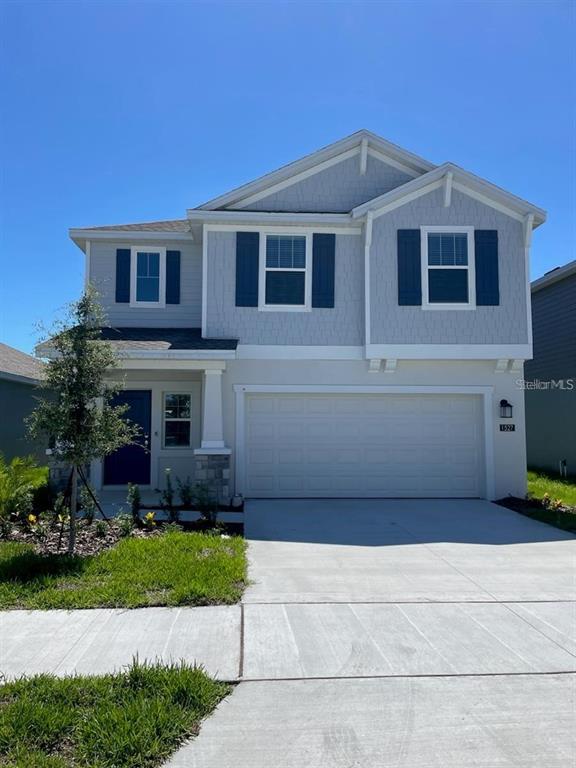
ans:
(77, 414)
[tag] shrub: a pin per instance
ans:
(87, 505)
(125, 523)
(186, 492)
(167, 497)
(135, 502)
(19, 480)
(206, 503)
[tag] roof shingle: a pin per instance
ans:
(163, 339)
(16, 363)
(175, 225)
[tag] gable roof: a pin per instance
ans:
(385, 150)
(554, 276)
(461, 180)
(19, 366)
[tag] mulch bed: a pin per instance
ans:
(98, 536)
(563, 518)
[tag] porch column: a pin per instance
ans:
(212, 421)
(213, 458)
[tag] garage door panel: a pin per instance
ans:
(364, 445)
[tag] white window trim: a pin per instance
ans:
(262, 306)
(469, 231)
(161, 303)
(165, 419)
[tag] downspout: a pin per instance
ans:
(367, 244)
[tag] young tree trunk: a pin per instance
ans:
(73, 506)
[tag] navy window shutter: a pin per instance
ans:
(486, 258)
(323, 269)
(409, 268)
(123, 275)
(247, 257)
(172, 277)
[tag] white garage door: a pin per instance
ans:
(303, 445)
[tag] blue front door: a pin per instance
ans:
(131, 464)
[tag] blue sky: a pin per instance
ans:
(119, 112)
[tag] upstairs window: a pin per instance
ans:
(447, 267)
(148, 271)
(285, 263)
(177, 420)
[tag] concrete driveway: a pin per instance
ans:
(405, 634)
(404, 551)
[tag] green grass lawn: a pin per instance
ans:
(134, 719)
(557, 488)
(175, 568)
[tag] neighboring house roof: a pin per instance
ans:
(554, 276)
(19, 366)
(388, 151)
(163, 339)
(459, 179)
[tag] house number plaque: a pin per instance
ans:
(507, 427)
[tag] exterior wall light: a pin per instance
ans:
(505, 409)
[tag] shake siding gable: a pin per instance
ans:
(393, 324)
(338, 189)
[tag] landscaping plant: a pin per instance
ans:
(206, 503)
(167, 497)
(19, 480)
(135, 502)
(77, 414)
(186, 492)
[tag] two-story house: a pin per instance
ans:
(352, 324)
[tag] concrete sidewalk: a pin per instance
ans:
(454, 722)
(94, 642)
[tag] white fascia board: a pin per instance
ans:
(180, 354)
(140, 363)
(560, 273)
(285, 229)
(80, 236)
(464, 182)
(394, 163)
(215, 217)
(266, 182)
(289, 352)
(449, 351)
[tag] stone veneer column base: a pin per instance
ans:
(213, 470)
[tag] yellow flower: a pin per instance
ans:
(149, 518)
(32, 519)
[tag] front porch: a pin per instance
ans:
(178, 406)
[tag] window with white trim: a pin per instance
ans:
(285, 271)
(447, 267)
(148, 277)
(177, 420)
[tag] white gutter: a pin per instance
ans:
(264, 217)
